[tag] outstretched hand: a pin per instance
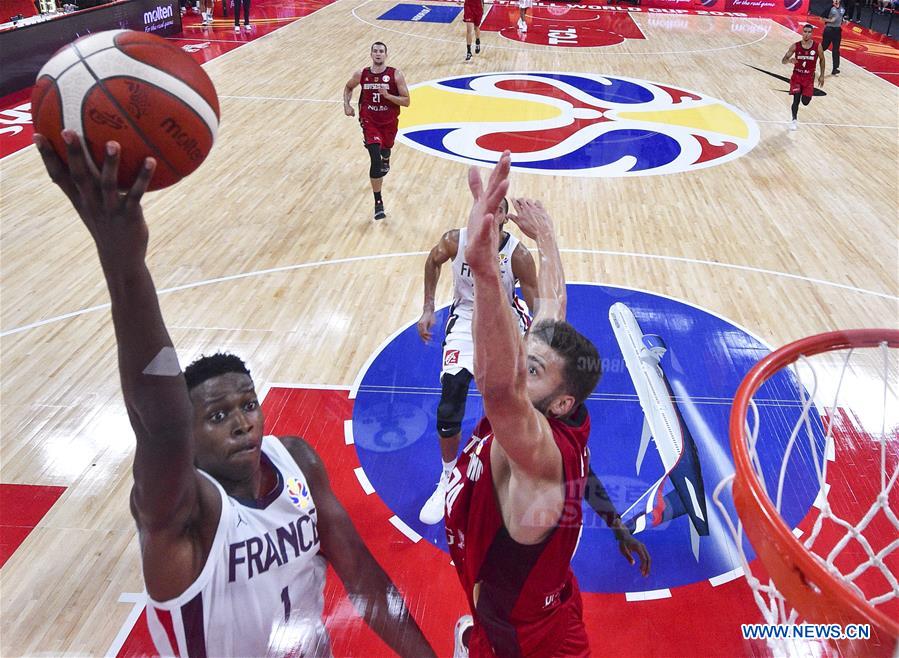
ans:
(531, 217)
(483, 238)
(115, 219)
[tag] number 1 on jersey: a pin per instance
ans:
(285, 599)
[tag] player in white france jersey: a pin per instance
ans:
(516, 266)
(234, 527)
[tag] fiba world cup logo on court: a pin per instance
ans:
(575, 124)
(298, 493)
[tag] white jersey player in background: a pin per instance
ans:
(523, 6)
(234, 527)
(516, 266)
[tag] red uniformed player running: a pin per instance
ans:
(803, 55)
(472, 15)
(383, 92)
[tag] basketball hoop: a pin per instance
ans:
(811, 574)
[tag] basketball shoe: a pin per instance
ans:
(794, 124)
(379, 210)
(432, 511)
(477, 46)
(463, 627)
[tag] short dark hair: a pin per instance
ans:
(809, 26)
(583, 367)
(378, 43)
(207, 367)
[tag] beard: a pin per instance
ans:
(542, 405)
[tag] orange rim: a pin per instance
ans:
(817, 595)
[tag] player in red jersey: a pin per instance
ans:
(472, 15)
(383, 92)
(513, 503)
(803, 55)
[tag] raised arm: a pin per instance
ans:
(501, 361)
(375, 597)
(348, 88)
(443, 251)
(533, 220)
(525, 271)
(402, 98)
(164, 499)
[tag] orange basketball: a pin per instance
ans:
(136, 89)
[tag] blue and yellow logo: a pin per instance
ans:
(575, 124)
(298, 493)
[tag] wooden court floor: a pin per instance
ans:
(269, 251)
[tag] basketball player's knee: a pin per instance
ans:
(385, 154)
(451, 409)
(806, 100)
(375, 170)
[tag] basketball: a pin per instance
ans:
(133, 88)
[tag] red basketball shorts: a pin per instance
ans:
(802, 84)
(473, 12)
(373, 133)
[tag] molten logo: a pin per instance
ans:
(110, 119)
(182, 138)
(158, 14)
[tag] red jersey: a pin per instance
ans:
(524, 599)
(806, 59)
(372, 106)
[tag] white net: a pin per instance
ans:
(835, 417)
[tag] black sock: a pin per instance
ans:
(468, 48)
(378, 197)
(477, 42)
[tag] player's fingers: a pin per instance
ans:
(140, 184)
(500, 171)
(55, 167)
(645, 560)
(496, 193)
(83, 177)
(474, 183)
(78, 167)
(110, 174)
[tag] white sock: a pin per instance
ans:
(448, 466)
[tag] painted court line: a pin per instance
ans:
(348, 432)
(357, 259)
(832, 125)
(726, 577)
(316, 387)
(138, 601)
(400, 525)
(364, 481)
(650, 595)
(282, 98)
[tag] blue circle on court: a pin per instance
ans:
(394, 427)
